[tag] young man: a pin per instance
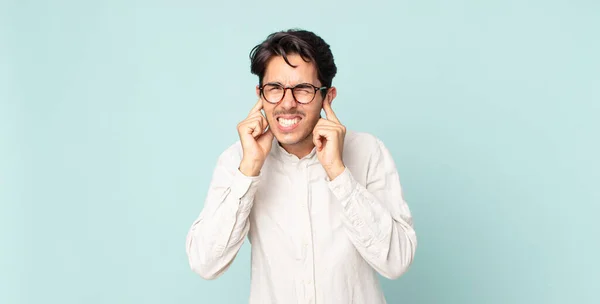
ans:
(322, 206)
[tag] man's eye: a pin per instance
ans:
(303, 89)
(274, 88)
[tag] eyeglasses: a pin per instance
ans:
(303, 93)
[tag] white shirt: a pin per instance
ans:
(313, 240)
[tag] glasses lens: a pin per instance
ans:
(304, 93)
(273, 93)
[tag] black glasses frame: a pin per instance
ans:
(262, 93)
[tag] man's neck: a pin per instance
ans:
(300, 149)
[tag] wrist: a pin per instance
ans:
(250, 168)
(335, 170)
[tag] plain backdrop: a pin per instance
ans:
(113, 114)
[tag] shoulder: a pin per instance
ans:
(361, 140)
(362, 145)
(232, 154)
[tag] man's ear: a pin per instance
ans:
(331, 94)
(257, 91)
(329, 97)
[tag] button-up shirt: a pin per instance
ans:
(313, 240)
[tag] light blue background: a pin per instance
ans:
(113, 113)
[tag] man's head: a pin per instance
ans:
(300, 59)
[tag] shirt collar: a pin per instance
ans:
(280, 153)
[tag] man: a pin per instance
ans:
(322, 206)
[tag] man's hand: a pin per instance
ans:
(328, 137)
(256, 142)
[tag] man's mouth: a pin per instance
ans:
(284, 122)
(287, 123)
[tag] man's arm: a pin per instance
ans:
(376, 217)
(218, 233)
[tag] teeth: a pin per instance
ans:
(288, 122)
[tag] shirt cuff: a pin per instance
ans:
(343, 186)
(244, 186)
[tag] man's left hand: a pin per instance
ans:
(328, 137)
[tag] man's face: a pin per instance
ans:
(292, 123)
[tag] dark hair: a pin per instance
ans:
(308, 45)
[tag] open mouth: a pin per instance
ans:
(287, 124)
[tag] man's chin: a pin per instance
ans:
(286, 139)
(289, 139)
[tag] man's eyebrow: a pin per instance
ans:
(279, 83)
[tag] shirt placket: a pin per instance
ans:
(307, 237)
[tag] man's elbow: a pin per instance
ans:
(395, 271)
(400, 264)
(207, 271)
(202, 260)
(208, 266)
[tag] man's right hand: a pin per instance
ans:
(256, 142)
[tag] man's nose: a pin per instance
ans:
(288, 101)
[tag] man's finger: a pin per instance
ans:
(257, 128)
(258, 114)
(266, 137)
(329, 112)
(257, 107)
(317, 142)
(329, 133)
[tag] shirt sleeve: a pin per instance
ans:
(218, 233)
(376, 216)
